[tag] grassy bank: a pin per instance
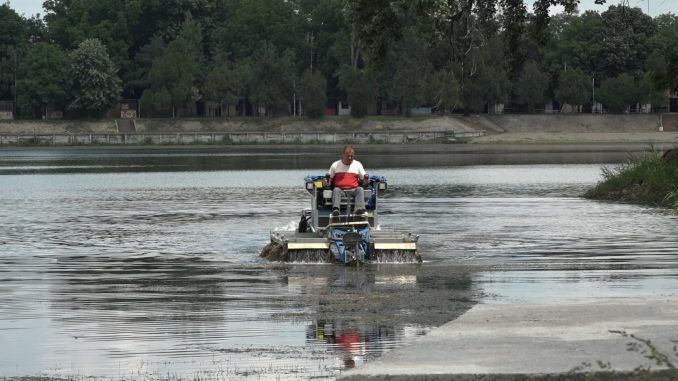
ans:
(652, 180)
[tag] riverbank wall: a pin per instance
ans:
(179, 138)
(380, 129)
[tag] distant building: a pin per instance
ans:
(343, 108)
(6, 110)
(495, 108)
(421, 111)
(389, 108)
(128, 109)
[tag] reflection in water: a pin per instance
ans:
(219, 158)
(353, 343)
(130, 275)
(196, 317)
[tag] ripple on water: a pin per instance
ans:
(154, 273)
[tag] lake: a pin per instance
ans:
(132, 262)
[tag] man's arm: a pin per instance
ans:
(329, 177)
(362, 176)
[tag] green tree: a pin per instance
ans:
(574, 88)
(116, 23)
(224, 85)
(530, 87)
(575, 43)
(174, 76)
(96, 85)
(488, 82)
(12, 39)
(326, 36)
(124, 26)
(486, 88)
(662, 62)
(44, 80)
(618, 93)
(648, 93)
(272, 79)
(624, 46)
(444, 90)
(144, 59)
(360, 89)
(253, 22)
(313, 88)
(381, 21)
(412, 71)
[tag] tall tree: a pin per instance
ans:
(115, 23)
(382, 21)
(488, 82)
(576, 43)
(360, 89)
(13, 34)
(224, 85)
(649, 94)
(514, 17)
(144, 59)
(627, 32)
(96, 85)
(44, 80)
(411, 73)
(444, 90)
(313, 89)
(574, 88)
(662, 63)
(530, 87)
(254, 22)
(618, 93)
(175, 75)
(273, 79)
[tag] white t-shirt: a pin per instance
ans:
(347, 176)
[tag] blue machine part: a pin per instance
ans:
(337, 234)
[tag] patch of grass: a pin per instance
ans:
(586, 371)
(650, 181)
(224, 141)
(32, 142)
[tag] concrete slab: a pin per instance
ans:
(540, 339)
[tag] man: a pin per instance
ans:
(345, 176)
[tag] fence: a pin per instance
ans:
(395, 137)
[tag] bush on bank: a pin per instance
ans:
(652, 180)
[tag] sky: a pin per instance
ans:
(657, 7)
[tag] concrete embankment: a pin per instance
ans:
(566, 128)
(504, 341)
(253, 137)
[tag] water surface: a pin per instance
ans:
(120, 266)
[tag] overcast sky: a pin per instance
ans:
(657, 7)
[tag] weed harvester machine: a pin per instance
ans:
(348, 238)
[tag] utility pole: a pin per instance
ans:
(593, 78)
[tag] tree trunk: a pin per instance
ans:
(355, 47)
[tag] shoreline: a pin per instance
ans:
(394, 138)
(559, 339)
(473, 147)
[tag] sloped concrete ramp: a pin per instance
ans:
(560, 338)
(126, 125)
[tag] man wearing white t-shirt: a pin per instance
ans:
(345, 176)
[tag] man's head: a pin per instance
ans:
(348, 155)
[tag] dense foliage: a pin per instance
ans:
(180, 56)
(652, 180)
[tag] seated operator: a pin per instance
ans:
(345, 176)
